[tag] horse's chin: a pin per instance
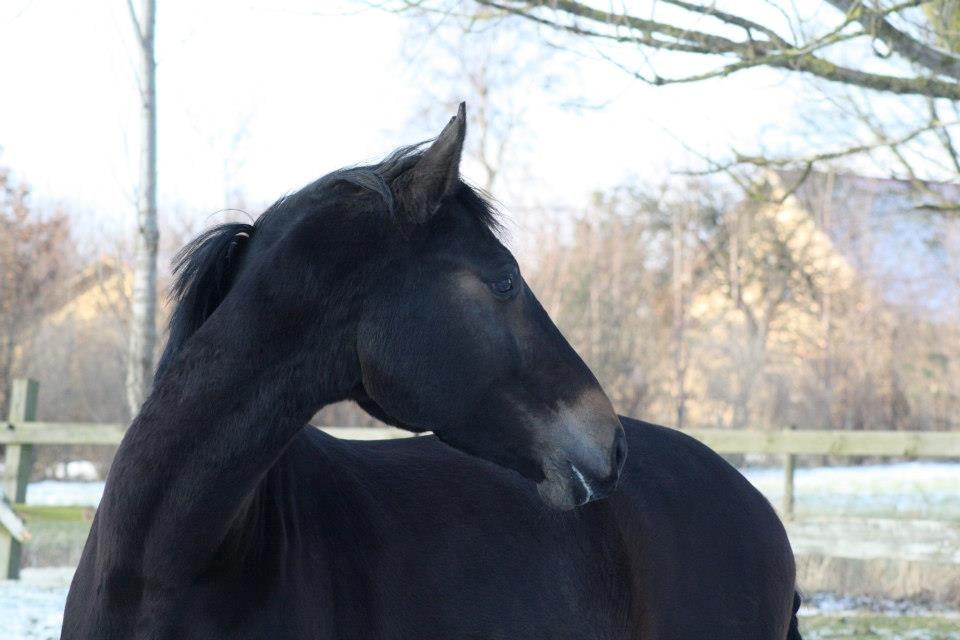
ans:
(557, 494)
(565, 487)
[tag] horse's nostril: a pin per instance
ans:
(597, 479)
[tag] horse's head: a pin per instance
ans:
(452, 339)
(432, 327)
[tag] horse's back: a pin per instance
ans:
(711, 557)
(410, 538)
(687, 547)
(443, 545)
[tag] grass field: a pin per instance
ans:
(58, 534)
(869, 626)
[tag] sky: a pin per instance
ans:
(266, 96)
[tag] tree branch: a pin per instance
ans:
(772, 51)
(774, 163)
(137, 29)
(729, 18)
(903, 44)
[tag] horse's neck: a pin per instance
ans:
(197, 451)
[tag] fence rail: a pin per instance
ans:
(21, 432)
(893, 444)
(106, 434)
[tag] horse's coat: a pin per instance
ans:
(225, 516)
(412, 539)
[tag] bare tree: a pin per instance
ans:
(683, 225)
(891, 67)
(35, 254)
(488, 64)
(143, 309)
(737, 41)
(602, 285)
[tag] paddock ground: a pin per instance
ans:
(921, 490)
(871, 626)
(32, 609)
(59, 515)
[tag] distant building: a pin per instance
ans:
(77, 350)
(876, 266)
(900, 235)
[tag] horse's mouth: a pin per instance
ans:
(566, 487)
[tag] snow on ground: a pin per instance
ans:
(907, 489)
(32, 608)
(59, 493)
(82, 470)
(835, 604)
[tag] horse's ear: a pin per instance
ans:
(421, 189)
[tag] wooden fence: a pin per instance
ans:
(21, 432)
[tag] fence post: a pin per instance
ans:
(16, 473)
(788, 468)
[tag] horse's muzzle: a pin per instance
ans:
(584, 472)
(594, 485)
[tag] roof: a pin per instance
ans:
(102, 286)
(891, 232)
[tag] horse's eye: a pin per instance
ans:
(503, 285)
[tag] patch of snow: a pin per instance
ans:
(82, 470)
(32, 608)
(906, 489)
(828, 603)
(62, 493)
(47, 576)
(921, 490)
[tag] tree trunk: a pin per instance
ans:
(143, 303)
(677, 282)
(826, 310)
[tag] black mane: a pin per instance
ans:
(204, 268)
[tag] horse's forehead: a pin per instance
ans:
(459, 225)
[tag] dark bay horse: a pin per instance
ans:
(225, 516)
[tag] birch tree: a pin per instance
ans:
(143, 307)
